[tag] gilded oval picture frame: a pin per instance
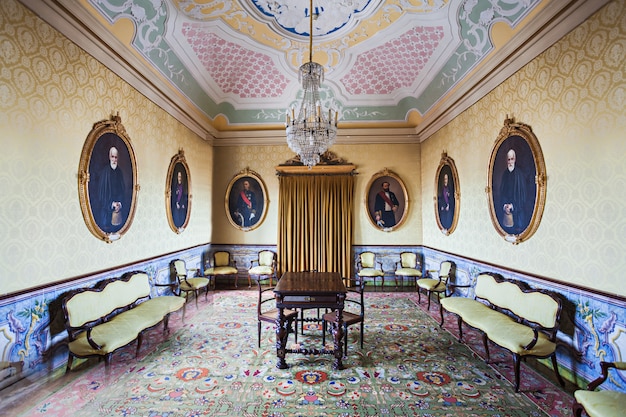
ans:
(178, 195)
(107, 180)
(447, 196)
(386, 201)
(516, 187)
(246, 200)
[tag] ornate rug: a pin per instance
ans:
(210, 366)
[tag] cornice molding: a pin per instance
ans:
(555, 21)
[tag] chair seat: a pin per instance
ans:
(272, 315)
(348, 317)
(431, 284)
(261, 270)
(408, 272)
(191, 284)
(370, 272)
(602, 403)
(221, 270)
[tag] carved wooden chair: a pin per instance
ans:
(439, 285)
(263, 267)
(267, 311)
(366, 267)
(354, 315)
(603, 403)
(221, 264)
(181, 280)
(408, 266)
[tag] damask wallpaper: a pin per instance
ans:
(573, 96)
(51, 93)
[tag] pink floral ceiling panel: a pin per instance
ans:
(236, 70)
(395, 64)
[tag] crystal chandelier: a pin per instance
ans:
(313, 131)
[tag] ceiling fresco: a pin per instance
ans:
(233, 65)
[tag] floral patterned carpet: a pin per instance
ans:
(210, 365)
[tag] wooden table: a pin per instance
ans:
(308, 290)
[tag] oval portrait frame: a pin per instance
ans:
(108, 220)
(178, 207)
(396, 186)
(240, 216)
(528, 194)
(447, 213)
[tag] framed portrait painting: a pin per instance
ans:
(517, 182)
(246, 200)
(386, 201)
(178, 193)
(447, 196)
(107, 180)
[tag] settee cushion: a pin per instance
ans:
(110, 336)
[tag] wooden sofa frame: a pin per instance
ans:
(521, 320)
(112, 315)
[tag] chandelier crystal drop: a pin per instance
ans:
(314, 130)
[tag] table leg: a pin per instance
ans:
(281, 339)
(338, 340)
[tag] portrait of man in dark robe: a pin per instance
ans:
(514, 196)
(110, 187)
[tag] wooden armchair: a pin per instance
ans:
(354, 315)
(366, 267)
(408, 266)
(437, 285)
(263, 267)
(604, 403)
(221, 264)
(267, 311)
(182, 282)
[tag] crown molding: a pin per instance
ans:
(555, 21)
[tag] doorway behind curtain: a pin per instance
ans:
(315, 223)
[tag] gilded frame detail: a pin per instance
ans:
(447, 197)
(246, 200)
(178, 195)
(107, 180)
(516, 188)
(377, 206)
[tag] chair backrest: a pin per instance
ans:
(266, 258)
(408, 260)
(356, 298)
(445, 270)
(221, 258)
(266, 295)
(368, 259)
(180, 268)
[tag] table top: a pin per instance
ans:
(310, 283)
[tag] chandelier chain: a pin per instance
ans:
(311, 133)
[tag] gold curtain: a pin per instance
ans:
(315, 223)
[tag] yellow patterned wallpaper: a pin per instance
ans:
(402, 159)
(574, 97)
(51, 93)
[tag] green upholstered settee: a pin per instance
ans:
(523, 321)
(117, 312)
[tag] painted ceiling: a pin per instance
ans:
(232, 66)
